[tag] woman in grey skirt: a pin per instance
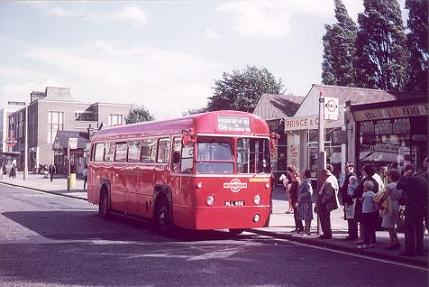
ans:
(305, 203)
(391, 215)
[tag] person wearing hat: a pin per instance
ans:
(347, 200)
(326, 202)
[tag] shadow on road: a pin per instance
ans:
(87, 225)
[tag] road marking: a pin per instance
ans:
(353, 254)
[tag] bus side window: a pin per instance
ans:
(163, 150)
(110, 151)
(176, 155)
(99, 152)
(187, 162)
(121, 151)
(148, 153)
(134, 151)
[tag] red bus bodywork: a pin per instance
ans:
(134, 186)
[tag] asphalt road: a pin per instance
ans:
(49, 240)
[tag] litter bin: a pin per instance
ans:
(71, 181)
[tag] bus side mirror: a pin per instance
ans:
(176, 157)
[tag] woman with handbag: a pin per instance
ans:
(391, 210)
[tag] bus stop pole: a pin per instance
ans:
(321, 157)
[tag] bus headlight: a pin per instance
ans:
(210, 200)
(256, 218)
(257, 199)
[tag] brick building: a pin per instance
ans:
(56, 110)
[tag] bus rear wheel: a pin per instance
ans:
(236, 231)
(103, 205)
(162, 218)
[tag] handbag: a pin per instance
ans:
(349, 209)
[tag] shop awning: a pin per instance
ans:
(62, 137)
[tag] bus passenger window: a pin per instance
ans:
(177, 148)
(163, 150)
(187, 159)
(148, 150)
(134, 151)
(121, 152)
(110, 152)
(99, 152)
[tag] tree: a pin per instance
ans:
(382, 56)
(338, 66)
(139, 114)
(417, 41)
(241, 90)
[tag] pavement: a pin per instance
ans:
(281, 224)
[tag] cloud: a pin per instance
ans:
(133, 14)
(166, 82)
(275, 18)
(212, 34)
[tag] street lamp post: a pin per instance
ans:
(25, 173)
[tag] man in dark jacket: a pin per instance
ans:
(415, 198)
(346, 199)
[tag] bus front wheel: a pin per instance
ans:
(103, 205)
(163, 222)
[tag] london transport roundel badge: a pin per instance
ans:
(235, 185)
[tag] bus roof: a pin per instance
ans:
(218, 122)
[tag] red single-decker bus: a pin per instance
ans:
(201, 172)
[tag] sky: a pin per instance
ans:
(164, 55)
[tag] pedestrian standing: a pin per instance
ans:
(326, 202)
(52, 170)
(369, 215)
(85, 176)
(293, 193)
(415, 198)
(304, 202)
(391, 210)
(367, 173)
(12, 172)
(348, 202)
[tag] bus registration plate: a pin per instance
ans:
(234, 203)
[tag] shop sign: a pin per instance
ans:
(306, 123)
(294, 155)
(72, 143)
(393, 112)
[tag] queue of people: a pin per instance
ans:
(369, 203)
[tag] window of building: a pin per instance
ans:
(121, 152)
(84, 116)
(115, 119)
(148, 150)
(163, 150)
(55, 124)
(134, 151)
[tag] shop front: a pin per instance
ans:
(391, 134)
(302, 138)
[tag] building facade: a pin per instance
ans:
(4, 128)
(55, 110)
(301, 128)
(389, 134)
